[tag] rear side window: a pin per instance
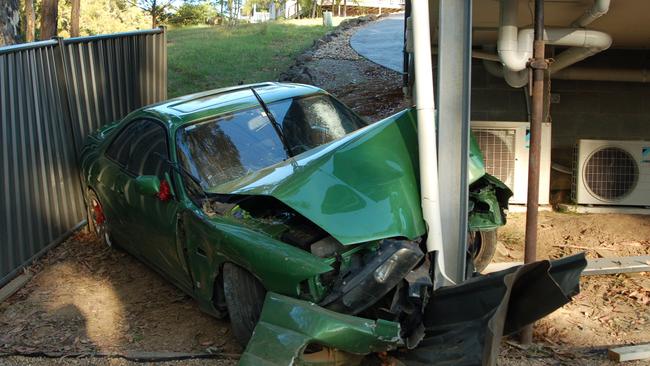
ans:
(141, 147)
(120, 148)
(149, 150)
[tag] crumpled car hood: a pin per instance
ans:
(359, 188)
(362, 187)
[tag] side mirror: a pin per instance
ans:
(147, 185)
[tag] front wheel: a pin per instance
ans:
(245, 297)
(482, 245)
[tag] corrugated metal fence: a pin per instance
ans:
(52, 94)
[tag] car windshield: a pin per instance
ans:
(312, 121)
(242, 142)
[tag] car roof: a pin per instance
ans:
(199, 106)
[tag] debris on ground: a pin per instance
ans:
(610, 309)
(630, 353)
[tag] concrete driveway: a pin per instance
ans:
(382, 41)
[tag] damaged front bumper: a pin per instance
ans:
(462, 325)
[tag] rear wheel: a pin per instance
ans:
(97, 219)
(482, 245)
(245, 298)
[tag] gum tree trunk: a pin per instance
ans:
(74, 18)
(49, 16)
(313, 8)
(30, 21)
(9, 22)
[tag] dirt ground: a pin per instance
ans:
(610, 309)
(86, 299)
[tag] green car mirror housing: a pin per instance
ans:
(148, 185)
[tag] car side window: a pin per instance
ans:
(120, 149)
(148, 150)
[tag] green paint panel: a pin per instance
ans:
(359, 188)
(287, 325)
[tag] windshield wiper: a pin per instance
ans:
(274, 123)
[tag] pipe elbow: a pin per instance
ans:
(514, 60)
(516, 79)
(597, 40)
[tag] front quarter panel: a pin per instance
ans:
(280, 267)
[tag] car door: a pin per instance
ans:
(152, 218)
(112, 182)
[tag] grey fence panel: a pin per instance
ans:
(52, 94)
(109, 76)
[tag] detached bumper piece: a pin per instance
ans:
(463, 324)
(287, 326)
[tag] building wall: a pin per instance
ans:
(579, 109)
(599, 110)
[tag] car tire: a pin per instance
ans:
(482, 245)
(96, 218)
(245, 297)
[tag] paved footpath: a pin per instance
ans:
(382, 41)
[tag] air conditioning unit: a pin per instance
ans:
(608, 172)
(505, 150)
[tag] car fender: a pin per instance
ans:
(212, 241)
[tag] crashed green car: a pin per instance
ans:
(276, 200)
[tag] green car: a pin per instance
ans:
(278, 194)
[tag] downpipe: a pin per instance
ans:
(427, 138)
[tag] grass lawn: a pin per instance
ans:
(203, 58)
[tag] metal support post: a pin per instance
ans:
(538, 66)
(453, 94)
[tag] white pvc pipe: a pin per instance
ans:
(513, 55)
(585, 43)
(427, 144)
(597, 10)
(515, 47)
(583, 73)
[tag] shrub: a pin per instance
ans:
(193, 14)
